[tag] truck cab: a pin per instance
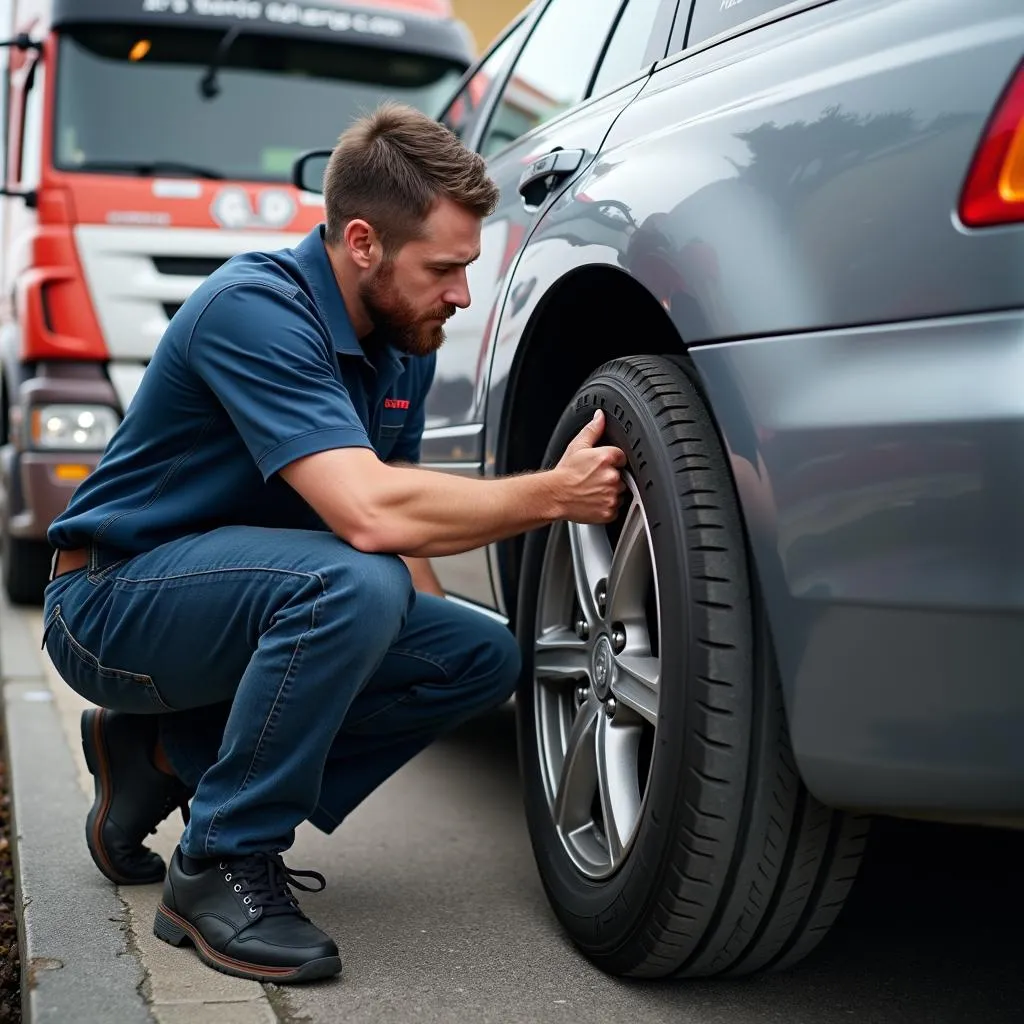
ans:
(148, 141)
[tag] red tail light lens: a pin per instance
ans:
(994, 193)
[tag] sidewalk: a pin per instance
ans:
(89, 955)
(433, 896)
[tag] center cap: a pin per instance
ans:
(603, 663)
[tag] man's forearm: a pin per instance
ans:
(424, 514)
(424, 579)
(421, 513)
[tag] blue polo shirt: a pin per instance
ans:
(259, 367)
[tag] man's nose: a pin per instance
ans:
(458, 293)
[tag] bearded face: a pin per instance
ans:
(395, 318)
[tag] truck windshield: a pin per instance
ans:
(131, 100)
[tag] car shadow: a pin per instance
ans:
(931, 933)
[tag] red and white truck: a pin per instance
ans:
(146, 142)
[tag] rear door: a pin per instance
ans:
(534, 115)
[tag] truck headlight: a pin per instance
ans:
(73, 427)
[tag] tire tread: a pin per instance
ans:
(788, 861)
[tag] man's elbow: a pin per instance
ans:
(373, 532)
(368, 539)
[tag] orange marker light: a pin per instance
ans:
(69, 471)
(140, 49)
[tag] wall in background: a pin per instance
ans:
(486, 18)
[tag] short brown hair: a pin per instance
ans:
(392, 166)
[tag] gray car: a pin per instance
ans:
(781, 245)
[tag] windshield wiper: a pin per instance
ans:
(209, 87)
(147, 168)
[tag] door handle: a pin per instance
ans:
(544, 173)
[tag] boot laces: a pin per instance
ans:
(263, 880)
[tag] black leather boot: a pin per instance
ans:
(132, 795)
(243, 920)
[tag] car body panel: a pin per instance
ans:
(815, 167)
(883, 505)
(788, 194)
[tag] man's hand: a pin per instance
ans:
(590, 484)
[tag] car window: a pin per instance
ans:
(462, 111)
(713, 16)
(625, 54)
(553, 70)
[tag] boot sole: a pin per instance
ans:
(176, 931)
(98, 762)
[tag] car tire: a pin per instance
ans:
(721, 862)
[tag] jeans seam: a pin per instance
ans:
(288, 676)
(214, 572)
(398, 701)
(98, 576)
(423, 656)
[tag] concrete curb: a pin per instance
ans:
(77, 960)
(105, 963)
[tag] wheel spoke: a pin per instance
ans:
(618, 783)
(578, 778)
(591, 563)
(593, 772)
(629, 573)
(560, 655)
(637, 682)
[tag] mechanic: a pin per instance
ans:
(243, 585)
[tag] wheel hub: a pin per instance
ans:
(602, 668)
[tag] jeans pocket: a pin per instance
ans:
(114, 688)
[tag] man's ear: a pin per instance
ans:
(361, 242)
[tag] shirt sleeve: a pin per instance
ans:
(407, 446)
(268, 361)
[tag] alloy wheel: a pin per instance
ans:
(597, 677)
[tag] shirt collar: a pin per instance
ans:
(312, 256)
(316, 267)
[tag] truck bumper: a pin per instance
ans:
(881, 476)
(43, 483)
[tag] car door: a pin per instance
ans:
(537, 127)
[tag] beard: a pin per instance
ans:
(395, 322)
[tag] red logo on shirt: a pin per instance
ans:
(396, 403)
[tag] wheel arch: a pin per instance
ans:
(592, 314)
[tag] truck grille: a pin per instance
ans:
(187, 266)
(138, 277)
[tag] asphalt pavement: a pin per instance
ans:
(435, 902)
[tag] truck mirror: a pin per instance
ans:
(22, 41)
(308, 170)
(30, 197)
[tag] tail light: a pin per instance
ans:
(994, 193)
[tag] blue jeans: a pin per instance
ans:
(293, 674)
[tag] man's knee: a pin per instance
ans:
(378, 585)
